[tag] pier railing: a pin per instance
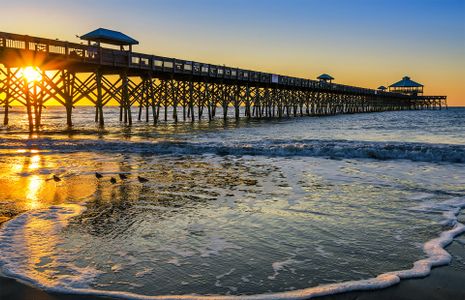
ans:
(71, 72)
(93, 54)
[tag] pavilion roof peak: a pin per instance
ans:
(406, 82)
(325, 76)
(108, 36)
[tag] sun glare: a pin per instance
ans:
(31, 74)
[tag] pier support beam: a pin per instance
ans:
(38, 98)
(125, 101)
(208, 100)
(68, 86)
(237, 102)
(7, 97)
(174, 99)
(191, 100)
(28, 105)
(99, 103)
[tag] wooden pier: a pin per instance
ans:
(188, 90)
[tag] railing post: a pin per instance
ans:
(26, 43)
(99, 51)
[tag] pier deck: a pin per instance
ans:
(71, 72)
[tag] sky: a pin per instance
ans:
(365, 43)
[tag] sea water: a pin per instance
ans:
(283, 208)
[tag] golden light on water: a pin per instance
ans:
(26, 179)
(31, 185)
(34, 162)
(32, 192)
(35, 183)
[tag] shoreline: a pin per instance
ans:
(445, 282)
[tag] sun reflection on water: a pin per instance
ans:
(23, 181)
(26, 181)
(34, 162)
(32, 191)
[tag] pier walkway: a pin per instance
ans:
(71, 72)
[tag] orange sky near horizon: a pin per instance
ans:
(284, 37)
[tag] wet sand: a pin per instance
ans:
(443, 283)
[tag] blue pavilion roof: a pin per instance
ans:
(325, 77)
(109, 37)
(406, 82)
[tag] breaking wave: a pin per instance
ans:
(337, 149)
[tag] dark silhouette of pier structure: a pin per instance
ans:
(158, 86)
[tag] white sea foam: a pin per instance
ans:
(226, 274)
(217, 245)
(16, 237)
(27, 245)
(219, 277)
(279, 266)
(321, 251)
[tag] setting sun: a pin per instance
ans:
(31, 74)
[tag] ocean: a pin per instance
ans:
(265, 209)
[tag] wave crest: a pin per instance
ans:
(337, 149)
